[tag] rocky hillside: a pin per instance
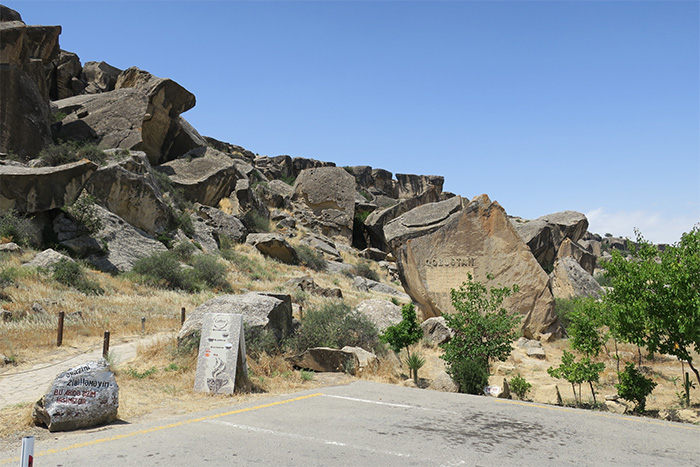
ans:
(104, 167)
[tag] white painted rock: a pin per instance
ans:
(84, 396)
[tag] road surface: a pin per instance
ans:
(372, 424)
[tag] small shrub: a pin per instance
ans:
(184, 250)
(255, 222)
(259, 340)
(84, 211)
(209, 270)
(602, 279)
(72, 274)
(363, 269)
(71, 151)
(162, 269)
(14, 227)
(289, 180)
(335, 325)
(520, 386)
(634, 387)
(183, 221)
(472, 375)
(134, 373)
(414, 362)
(306, 375)
(311, 258)
(563, 308)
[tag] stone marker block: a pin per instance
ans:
(221, 364)
(84, 396)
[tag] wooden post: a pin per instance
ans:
(59, 337)
(143, 325)
(182, 316)
(105, 345)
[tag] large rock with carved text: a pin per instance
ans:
(84, 396)
(478, 239)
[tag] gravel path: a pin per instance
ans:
(28, 384)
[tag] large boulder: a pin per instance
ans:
(545, 234)
(586, 259)
(476, 240)
(381, 312)
(436, 331)
(25, 116)
(569, 280)
(376, 221)
(325, 197)
(326, 359)
(142, 113)
(205, 175)
(269, 312)
(84, 396)
(273, 245)
(421, 221)
(368, 285)
(126, 186)
(100, 77)
(410, 185)
(120, 244)
(64, 78)
(30, 190)
(47, 259)
(223, 225)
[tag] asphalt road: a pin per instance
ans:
(373, 424)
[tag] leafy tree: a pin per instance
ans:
(577, 372)
(483, 329)
(520, 386)
(403, 335)
(655, 300)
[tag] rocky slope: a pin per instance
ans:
(159, 183)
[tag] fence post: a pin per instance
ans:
(182, 316)
(143, 325)
(105, 345)
(59, 337)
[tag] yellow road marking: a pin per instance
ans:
(600, 414)
(158, 428)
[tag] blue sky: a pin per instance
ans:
(592, 106)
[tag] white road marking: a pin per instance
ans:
(307, 438)
(403, 406)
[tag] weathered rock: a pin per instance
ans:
(547, 394)
(381, 312)
(584, 258)
(307, 284)
(64, 78)
(82, 397)
(271, 312)
(33, 190)
(326, 198)
(536, 352)
(545, 234)
(205, 175)
(299, 164)
(99, 77)
(47, 259)
(223, 225)
(410, 185)
(435, 330)
(273, 245)
(375, 254)
(24, 94)
(204, 234)
(569, 280)
(126, 186)
(244, 200)
(323, 244)
(125, 244)
(326, 359)
(368, 285)
(444, 383)
(476, 240)
(10, 247)
(376, 221)
(366, 360)
(142, 113)
(422, 221)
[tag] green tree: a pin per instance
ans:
(634, 387)
(403, 335)
(655, 300)
(483, 329)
